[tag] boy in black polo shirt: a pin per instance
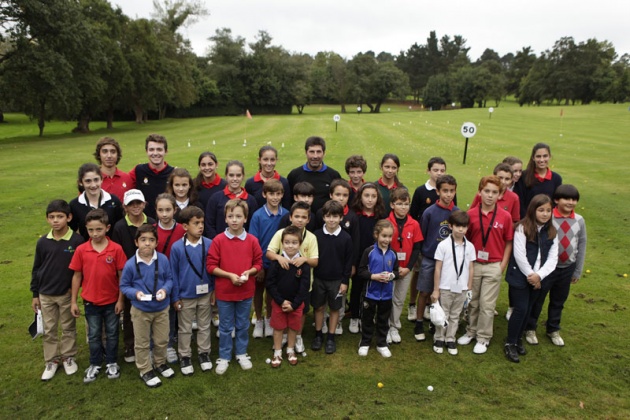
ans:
(332, 274)
(50, 283)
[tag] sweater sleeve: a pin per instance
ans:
(175, 259)
(519, 251)
(35, 272)
(272, 282)
(581, 251)
(364, 270)
(551, 261)
(210, 230)
(305, 284)
(126, 281)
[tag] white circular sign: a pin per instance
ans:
(469, 130)
(336, 118)
(491, 110)
(358, 109)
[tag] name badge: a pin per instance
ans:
(483, 255)
(456, 287)
(401, 256)
(146, 298)
(202, 289)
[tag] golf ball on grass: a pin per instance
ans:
(268, 361)
(430, 388)
(380, 385)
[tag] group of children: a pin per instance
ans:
(372, 239)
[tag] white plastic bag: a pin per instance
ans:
(438, 317)
(37, 326)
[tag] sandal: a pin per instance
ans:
(292, 358)
(276, 361)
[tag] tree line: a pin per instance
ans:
(84, 59)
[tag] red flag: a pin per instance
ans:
(248, 114)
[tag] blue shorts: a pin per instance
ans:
(425, 278)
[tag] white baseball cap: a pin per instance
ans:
(133, 195)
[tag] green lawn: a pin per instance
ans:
(590, 149)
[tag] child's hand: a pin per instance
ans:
(260, 276)
(534, 280)
(139, 295)
(35, 304)
(284, 262)
(213, 298)
(435, 295)
(236, 279)
(403, 271)
(74, 308)
(120, 306)
(160, 295)
(286, 306)
(299, 261)
(343, 289)
(575, 280)
(469, 295)
(177, 306)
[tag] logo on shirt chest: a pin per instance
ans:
(109, 259)
(298, 272)
(498, 225)
(146, 180)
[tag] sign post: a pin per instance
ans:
(336, 119)
(468, 130)
(490, 111)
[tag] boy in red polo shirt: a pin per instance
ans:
(108, 155)
(97, 267)
(491, 232)
(406, 243)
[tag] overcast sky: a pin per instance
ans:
(352, 26)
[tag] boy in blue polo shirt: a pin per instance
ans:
(435, 229)
(193, 289)
(263, 226)
(147, 282)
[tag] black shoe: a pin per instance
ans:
(431, 328)
(151, 380)
(520, 348)
(331, 346)
(317, 342)
(511, 352)
(186, 366)
(166, 371)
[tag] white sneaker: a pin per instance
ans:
(204, 362)
(411, 313)
(354, 325)
(284, 339)
(268, 329)
(339, 329)
(556, 339)
(113, 371)
(171, 355)
(427, 313)
(481, 347)
(70, 366)
(91, 373)
(530, 337)
(395, 335)
(245, 361)
(325, 326)
(254, 319)
(222, 366)
(363, 350)
(384, 351)
(389, 337)
(508, 314)
(465, 339)
(215, 320)
(49, 372)
(299, 344)
(258, 329)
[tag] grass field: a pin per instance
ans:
(589, 377)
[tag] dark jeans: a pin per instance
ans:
(356, 292)
(523, 301)
(557, 285)
(98, 316)
(172, 332)
(128, 326)
(381, 309)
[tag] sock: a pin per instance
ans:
(331, 336)
(419, 325)
(277, 352)
(290, 350)
(297, 337)
(318, 333)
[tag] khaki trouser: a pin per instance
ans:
(55, 313)
(485, 291)
(145, 324)
(194, 308)
(452, 304)
(398, 300)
